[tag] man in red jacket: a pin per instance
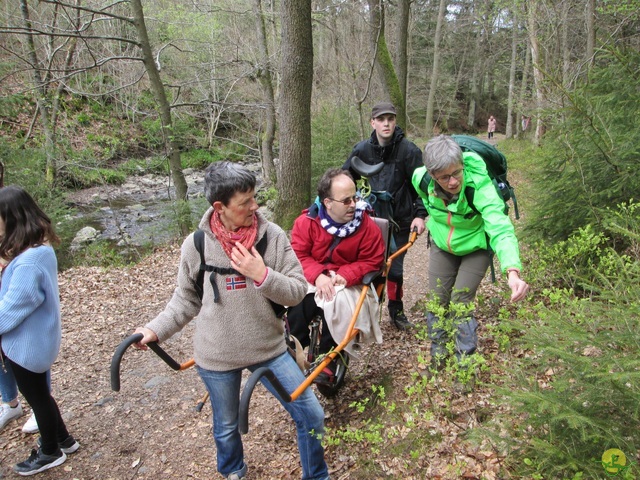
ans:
(337, 244)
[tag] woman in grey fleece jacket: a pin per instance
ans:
(236, 326)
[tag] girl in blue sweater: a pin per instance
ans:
(30, 330)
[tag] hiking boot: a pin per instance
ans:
(69, 445)
(8, 413)
(31, 425)
(397, 316)
(39, 462)
(401, 322)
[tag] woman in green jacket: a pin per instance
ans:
(461, 238)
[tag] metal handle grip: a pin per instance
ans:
(243, 414)
(126, 343)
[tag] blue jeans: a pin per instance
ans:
(306, 411)
(8, 386)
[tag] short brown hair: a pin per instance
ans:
(324, 185)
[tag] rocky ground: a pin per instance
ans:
(150, 429)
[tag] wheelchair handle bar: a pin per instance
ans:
(404, 248)
(157, 349)
(254, 378)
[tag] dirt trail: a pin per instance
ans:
(150, 428)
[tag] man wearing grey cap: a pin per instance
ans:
(393, 196)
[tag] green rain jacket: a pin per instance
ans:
(457, 228)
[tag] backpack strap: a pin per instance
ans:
(198, 240)
(469, 193)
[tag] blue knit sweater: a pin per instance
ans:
(30, 325)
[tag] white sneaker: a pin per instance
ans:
(31, 425)
(8, 413)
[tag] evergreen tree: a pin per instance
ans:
(593, 152)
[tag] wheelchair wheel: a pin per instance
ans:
(315, 331)
(331, 390)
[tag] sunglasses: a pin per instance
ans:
(347, 201)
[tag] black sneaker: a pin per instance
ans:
(39, 462)
(69, 445)
(401, 322)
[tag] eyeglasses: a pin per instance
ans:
(446, 178)
(347, 201)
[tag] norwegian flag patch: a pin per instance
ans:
(236, 283)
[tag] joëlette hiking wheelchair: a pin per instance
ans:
(373, 280)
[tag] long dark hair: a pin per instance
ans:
(26, 225)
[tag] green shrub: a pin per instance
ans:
(78, 176)
(100, 254)
(576, 392)
(186, 133)
(12, 105)
(107, 146)
(202, 158)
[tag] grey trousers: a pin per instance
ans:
(454, 279)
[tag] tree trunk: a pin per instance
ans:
(512, 79)
(473, 94)
(51, 168)
(532, 21)
(591, 30)
(525, 82)
(171, 146)
(264, 74)
(564, 46)
(435, 72)
(294, 169)
(383, 61)
(402, 62)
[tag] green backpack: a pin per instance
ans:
(496, 164)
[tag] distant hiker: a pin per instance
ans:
(491, 126)
(461, 238)
(30, 326)
(393, 196)
(237, 325)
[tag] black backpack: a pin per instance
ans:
(198, 240)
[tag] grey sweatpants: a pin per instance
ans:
(455, 279)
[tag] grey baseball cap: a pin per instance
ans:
(382, 108)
